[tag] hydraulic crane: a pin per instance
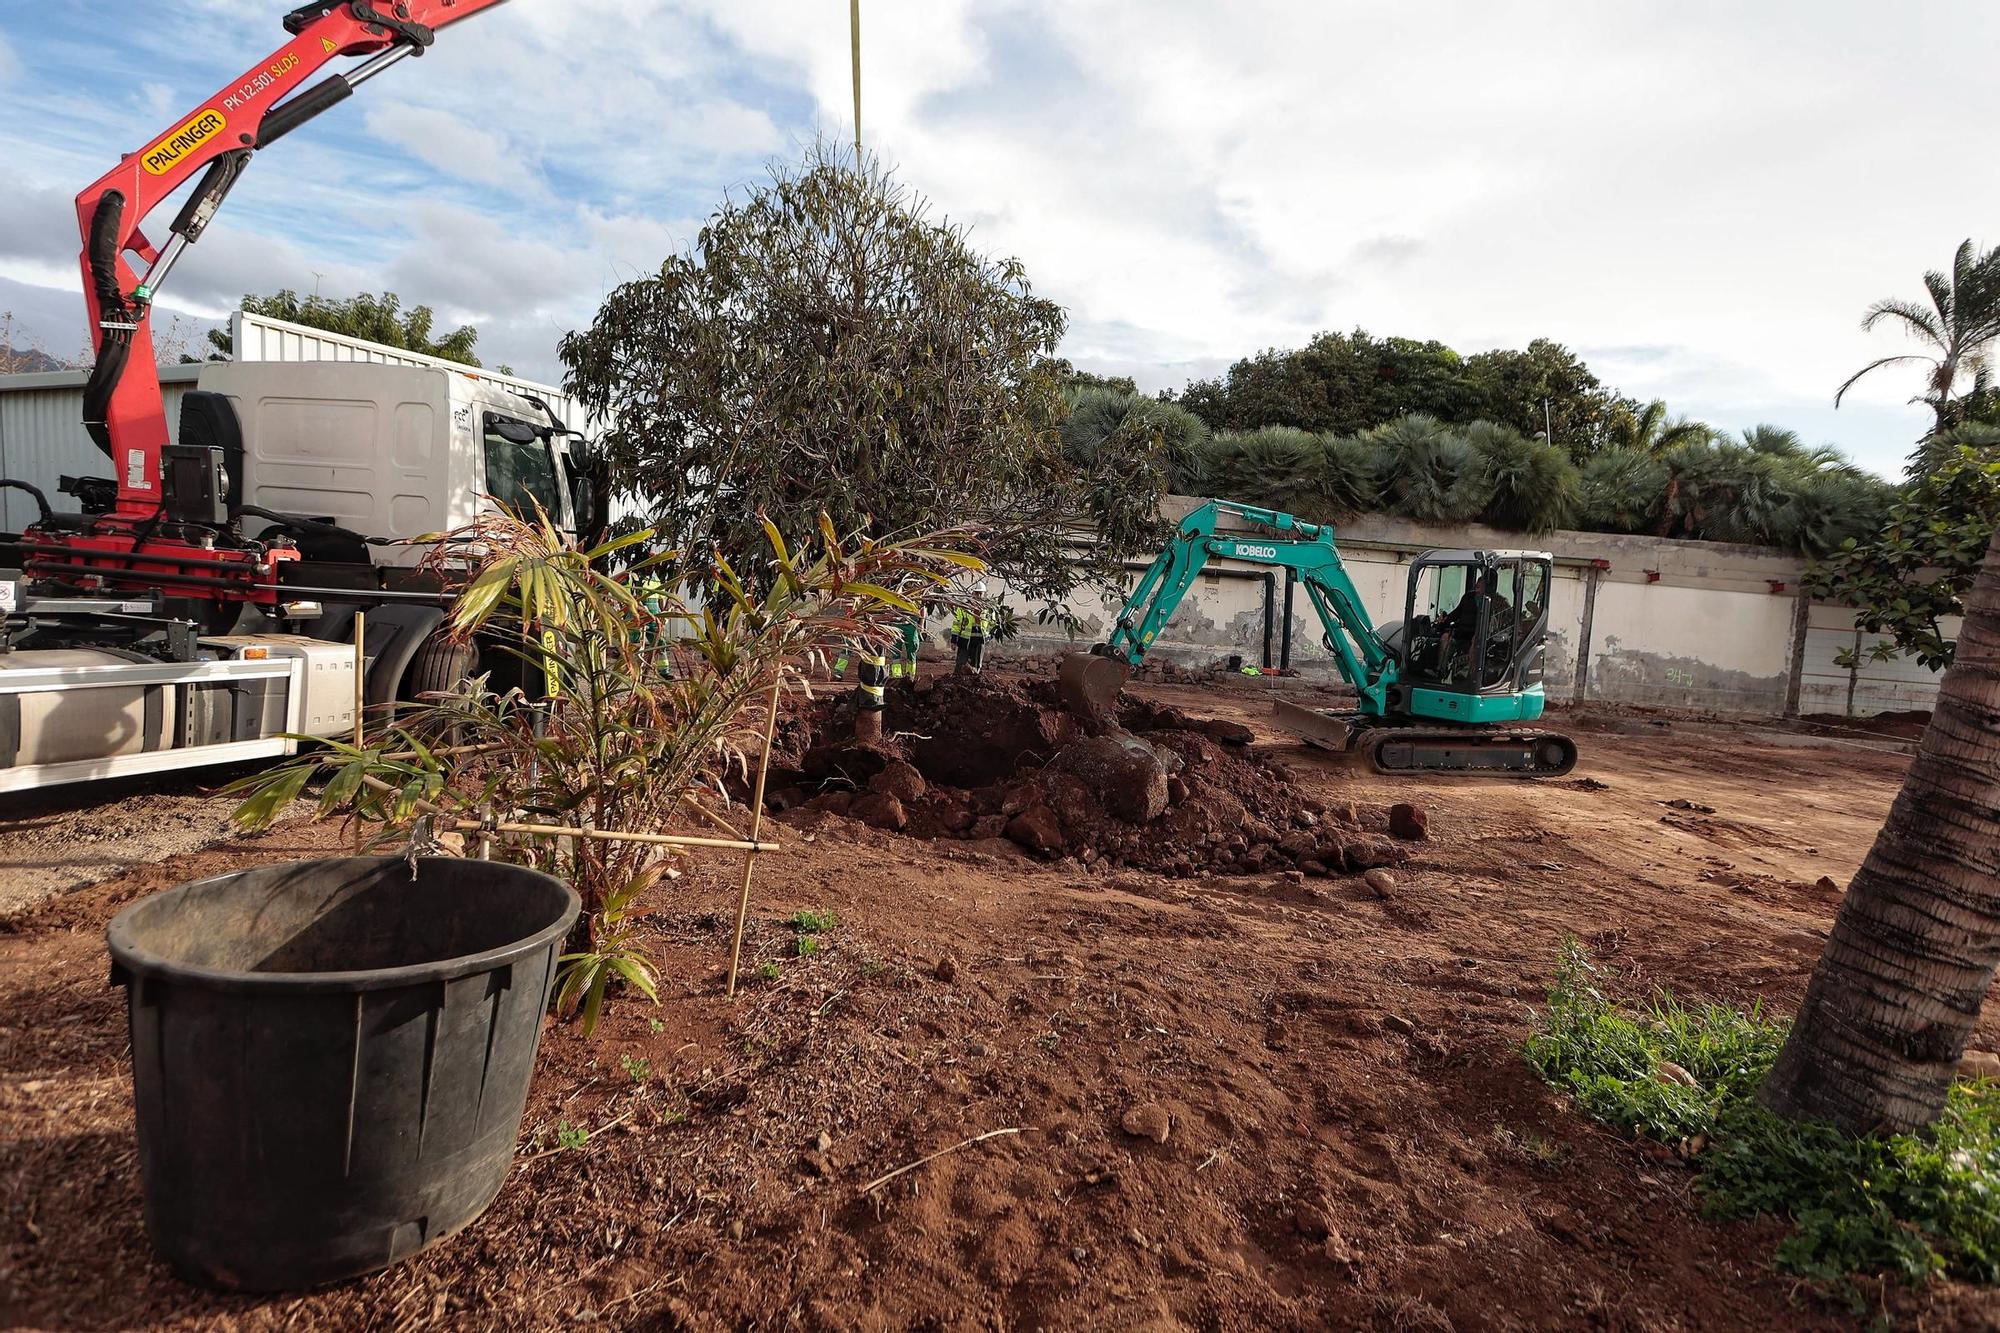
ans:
(1447, 687)
(160, 522)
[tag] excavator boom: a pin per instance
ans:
(1444, 691)
(123, 409)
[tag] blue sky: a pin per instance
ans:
(1700, 198)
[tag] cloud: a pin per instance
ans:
(443, 140)
(1700, 202)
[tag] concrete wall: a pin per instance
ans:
(1641, 620)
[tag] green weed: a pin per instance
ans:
(812, 923)
(636, 1068)
(1911, 1205)
(571, 1137)
(770, 972)
(808, 945)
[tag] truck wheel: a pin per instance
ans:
(438, 667)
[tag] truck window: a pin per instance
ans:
(521, 475)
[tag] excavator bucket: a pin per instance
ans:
(1088, 686)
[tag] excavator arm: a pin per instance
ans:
(1307, 549)
(123, 409)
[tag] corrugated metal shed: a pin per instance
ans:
(41, 415)
(42, 437)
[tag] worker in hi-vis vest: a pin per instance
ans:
(968, 632)
(903, 651)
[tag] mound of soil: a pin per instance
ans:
(978, 757)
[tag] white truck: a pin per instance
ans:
(347, 461)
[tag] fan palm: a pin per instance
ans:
(1649, 430)
(1957, 328)
(1622, 490)
(1428, 472)
(1939, 447)
(1532, 485)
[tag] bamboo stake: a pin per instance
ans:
(756, 822)
(360, 670)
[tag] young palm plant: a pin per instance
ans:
(1532, 485)
(1427, 471)
(646, 703)
(1622, 491)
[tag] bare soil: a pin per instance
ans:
(1351, 1138)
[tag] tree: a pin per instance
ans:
(1164, 432)
(1905, 580)
(827, 346)
(1427, 471)
(1531, 485)
(1544, 390)
(1914, 946)
(1941, 447)
(620, 745)
(1622, 490)
(1085, 379)
(24, 360)
(1649, 430)
(379, 319)
(1957, 328)
(1344, 383)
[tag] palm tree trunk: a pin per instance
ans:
(1914, 946)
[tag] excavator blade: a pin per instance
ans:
(1088, 686)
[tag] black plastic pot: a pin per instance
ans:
(330, 1059)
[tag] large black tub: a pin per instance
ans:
(330, 1058)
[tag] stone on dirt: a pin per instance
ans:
(1311, 1220)
(1381, 881)
(1229, 733)
(1148, 1120)
(1409, 822)
(879, 811)
(1037, 829)
(900, 780)
(1125, 773)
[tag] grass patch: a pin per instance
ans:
(812, 923)
(1913, 1206)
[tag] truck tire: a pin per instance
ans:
(438, 667)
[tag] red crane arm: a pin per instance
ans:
(123, 409)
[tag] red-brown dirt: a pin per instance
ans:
(1352, 1140)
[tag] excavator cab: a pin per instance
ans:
(1473, 635)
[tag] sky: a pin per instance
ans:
(1701, 199)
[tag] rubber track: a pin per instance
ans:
(1451, 751)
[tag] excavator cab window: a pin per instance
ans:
(521, 467)
(1473, 618)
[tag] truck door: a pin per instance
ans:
(518, 464)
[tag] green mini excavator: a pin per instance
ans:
(1448, 687)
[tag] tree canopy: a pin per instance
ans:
(827, 346)
(1352, 382)
(379, 319)
(1913, 573)
(1956, 325)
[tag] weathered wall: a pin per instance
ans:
(1632, 619)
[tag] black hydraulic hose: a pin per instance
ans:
(1285, 643)
(313, 524)
(34, 493)
(1270, 610)
(115, 319)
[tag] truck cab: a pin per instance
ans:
(383, 452)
